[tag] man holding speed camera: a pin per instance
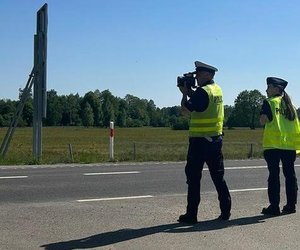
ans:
(202, 98)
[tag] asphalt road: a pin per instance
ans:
(135, 206)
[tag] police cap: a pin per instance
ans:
(278, 82)
(200, 66)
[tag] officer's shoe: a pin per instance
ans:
(288, 209)
(271, 210)
(185, 218)
(224, 216)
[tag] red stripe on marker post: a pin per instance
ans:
(112, 132)
(111, 141)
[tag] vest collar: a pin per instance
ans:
(208, 82)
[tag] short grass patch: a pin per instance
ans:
(91, 145)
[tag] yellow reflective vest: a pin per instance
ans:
(281, 133)
(210, 121)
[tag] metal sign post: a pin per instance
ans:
(40, 87)
(37, 78)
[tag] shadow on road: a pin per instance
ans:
(108, 238)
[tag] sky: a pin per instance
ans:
(139, 47)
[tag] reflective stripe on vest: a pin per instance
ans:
(281, 133)
(210, 121)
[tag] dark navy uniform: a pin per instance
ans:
(273, 156)
(205, 150)
(205, 141)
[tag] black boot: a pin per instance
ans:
(271, 210)
(188, 219)
(224, 216)
(287, 209)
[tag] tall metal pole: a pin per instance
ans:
(39, 90)
(38, 79)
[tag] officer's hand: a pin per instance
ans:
(263, 119)
(183, 89)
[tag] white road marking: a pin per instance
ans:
(13, 177)
(138, 172)
(213, 192)
(239, 168)
(110, 173)
(247, 190)
(248, 167)
(117, 198)
(167, 195)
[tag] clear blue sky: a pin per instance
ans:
(139, 47)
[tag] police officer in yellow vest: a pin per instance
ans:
(205, 106)
(281, 140)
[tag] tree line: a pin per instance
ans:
(95, 108)
(98, 108)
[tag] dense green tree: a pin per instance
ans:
(152, 112)
(99, 108)
(181, 123)
(175, 110)
(165, 117)
(156, 119)
(137, 111)
(170, 117)
(109, 107)
(87, 115)
(246, 109)
(71, 110)
(93, 99)
(227, 112)
(7, 107)
(7, 111)
(121, 120)
(54, 109)
(1, 121)
(233, 120)
(27, 114)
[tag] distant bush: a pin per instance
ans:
(181, 123)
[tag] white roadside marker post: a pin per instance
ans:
(111, 141)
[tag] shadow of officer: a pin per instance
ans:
(113, 237)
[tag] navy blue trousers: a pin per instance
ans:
(203, 151)
(287, 158)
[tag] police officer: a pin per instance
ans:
(205, 106)
(280, 141)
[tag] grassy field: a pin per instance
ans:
(90, 145)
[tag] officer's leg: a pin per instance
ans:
(272, 157)
(216, 168)
(288, 158)
(193, 171)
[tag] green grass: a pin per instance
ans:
(91, 145)
(238, 143)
